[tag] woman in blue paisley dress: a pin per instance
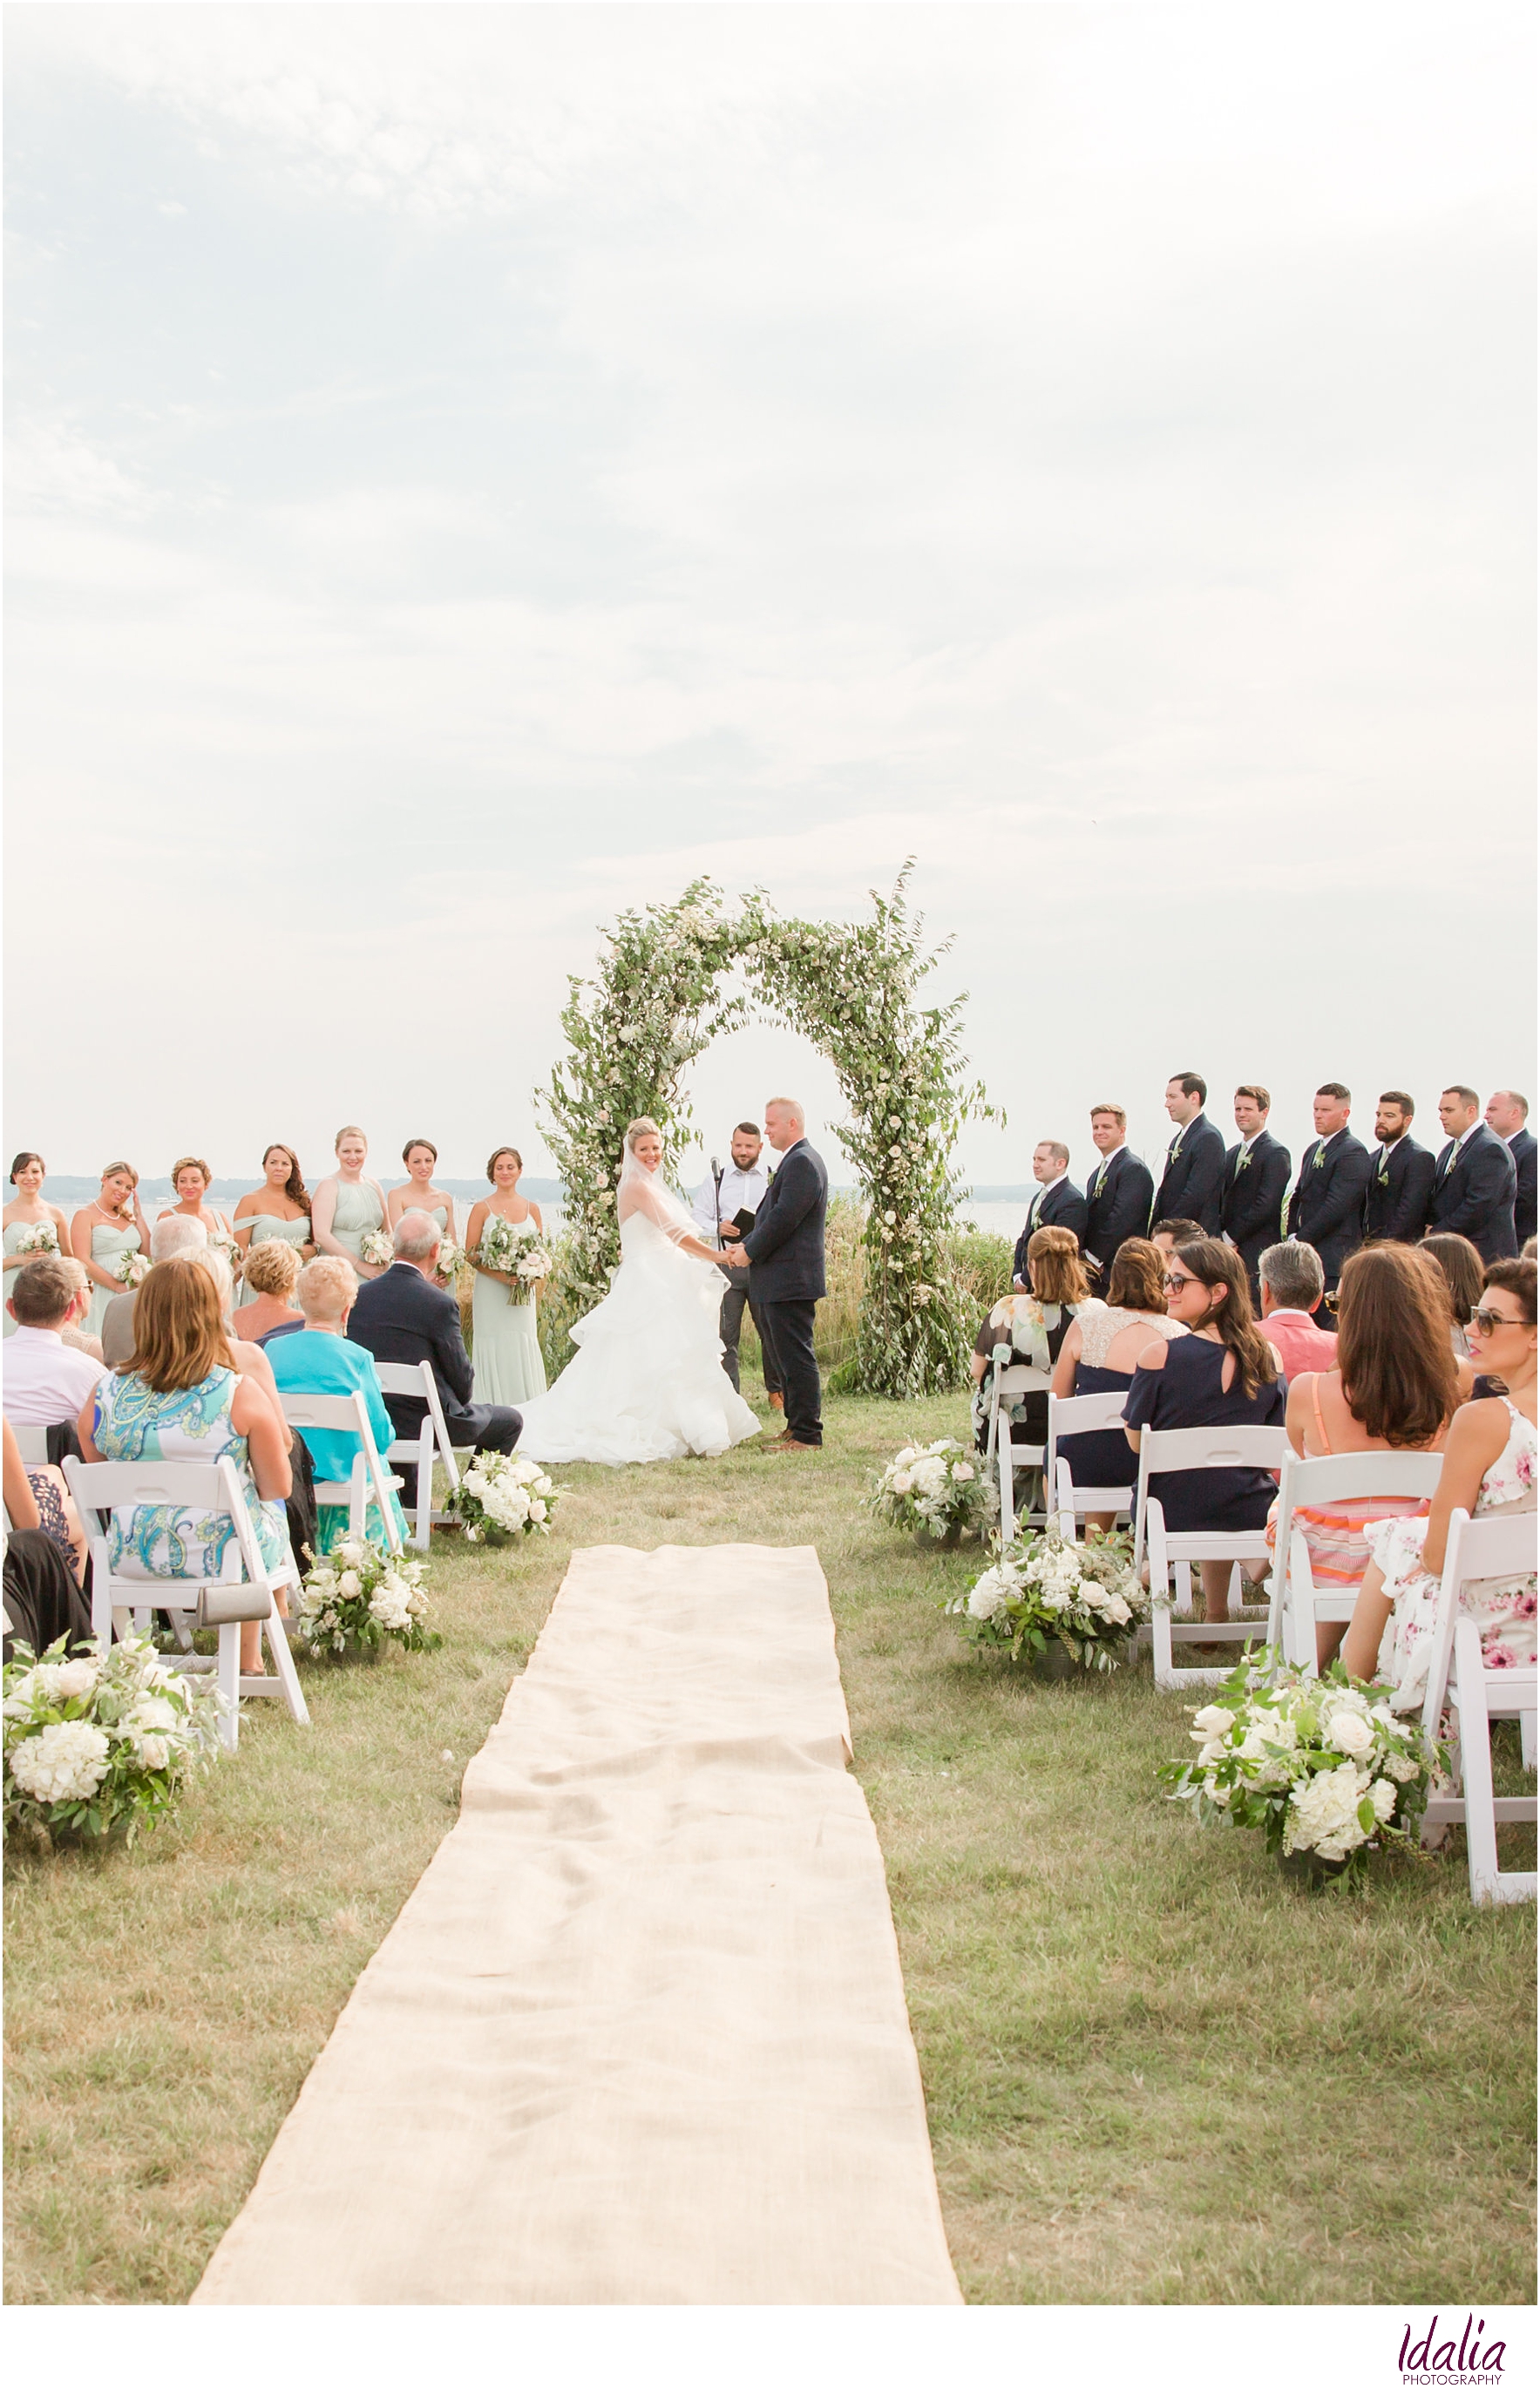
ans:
(180, 1398)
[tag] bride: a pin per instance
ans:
(646, 1381)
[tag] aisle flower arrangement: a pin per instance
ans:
(517, 1248)
(1082, 1593)
(37, 1239)
(935, 1491)
(504, 1497)
(359, 1596)
(1322, 1767)
(92, 1746)
(376, 1248)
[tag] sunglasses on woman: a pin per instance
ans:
(1180, 1280)
(1486, 1322)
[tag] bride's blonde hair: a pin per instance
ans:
(638, 1129)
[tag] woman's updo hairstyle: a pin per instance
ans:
(639, 1129)
(271, 1266)
(350, 1131)
(502, 1151)
(198, 1165)
(108, 1171)
(19, 1163)
(1515, 1274)
(407, 1151)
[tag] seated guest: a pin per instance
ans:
(1118, 1195)
(1256, 1177)
(1035, 1327)
(404, 1318)
(1400, 1175)
(46, 1381)
(74, 1335)
(1460, 1265)
(1489, 1467)
(1172, 1232)
(1055, 1203)
(271, 1271)
(190, 1178)
(1224, 1373)
(1531, 1247)
(1292, 1284)
(43, 1599)
(320, 1360)
(1476, 1185)
(1393, 1387)
(174, 1235)
(1103, 1345)
(1192, 1177)
(251, 1360)
(182, 1398)
(1326, 1203)
(1507, 1117)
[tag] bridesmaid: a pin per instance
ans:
(28, 1208)
(280, 1210)
(347, 1204)
(504, 1341)
(103, 1233)
(420, 1157)
(190, 1179)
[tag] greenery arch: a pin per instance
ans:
(652, 1007)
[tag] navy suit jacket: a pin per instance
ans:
(1400, 1190)
(1522, 1149)
(786, 1247)
(1475, 1195)
(401, 1318)
(1063, 1209)
(1192, 1182)
(1326, 1207)
(1119, 1211)
(1251, 1205)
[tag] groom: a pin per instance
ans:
(785, 1255)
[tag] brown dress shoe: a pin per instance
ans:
(795, 1447)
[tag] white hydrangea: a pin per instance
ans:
(1382, 1795)
(989, 1596)
(1322, 1816)
(64, 1764)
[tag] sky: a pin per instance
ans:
(472, 469)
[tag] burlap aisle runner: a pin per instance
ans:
(639, 2035)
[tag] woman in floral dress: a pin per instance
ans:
(1489, 1468)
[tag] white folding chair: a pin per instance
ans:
(1002, 1452)
(244, 1592)
(32, 1441)
(432, 1439)
(1067, 1418)
(304, 1410)
(1295, 1604)
(1222, 1449)
(1498, 1546)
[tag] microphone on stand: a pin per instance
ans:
(716, 1192)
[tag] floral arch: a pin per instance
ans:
(654, 1004)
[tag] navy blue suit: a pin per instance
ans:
(401, 1318)
(1250, 1204)
(1326, 1205)
(1474, 1193)
(1192, 1182)
(1059, 1209)
(785, 1279)
(1118, 1198)
(1399, 1193)
(1521, 1148)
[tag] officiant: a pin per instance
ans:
(725, 1206)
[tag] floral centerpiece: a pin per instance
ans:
(376, 1248)
(1322, 1767)
(935, 1491)
(1045, 1592)
(517, 1248)
(92, 1746)
(37, 1239)
(504, 1497)
(360, 1596)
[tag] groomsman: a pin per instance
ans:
(1507, 1115)
(1193, 1181)
(1056, 1201)
(1477, 1180)
(1119, 1195)
(1400, 1175)
(1326, 1207)
(1257, 1182)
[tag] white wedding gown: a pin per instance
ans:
(646, 1382)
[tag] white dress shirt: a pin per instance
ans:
(742, 1193)
(45, 1381)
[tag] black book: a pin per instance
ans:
(743, 1221)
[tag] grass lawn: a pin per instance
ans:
(1155, 2073)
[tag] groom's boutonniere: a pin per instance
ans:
(1245, 1165)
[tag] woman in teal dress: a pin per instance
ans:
(103, 1233)
(280, 1210)
(185, 1402)
(505, 1340)
(321, 1361)
(27, 1213)
(347, 1204)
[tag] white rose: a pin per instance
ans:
(155, 1753)
(1113, 1608)
(350, 1585)
(905, 1455)
(963, 1472)
(152, 1714)
(1349, 1733)
(1210, 1720)
(63, 1765)
(1382, 1795)
(77, 1680)
(351, 1551)
(901, 1483)
(538, 1509)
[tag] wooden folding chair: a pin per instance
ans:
(1497, 1546)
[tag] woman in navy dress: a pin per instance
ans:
(1224, 1373)
(1104, 1344)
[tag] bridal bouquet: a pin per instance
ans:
(95, 1744)
(37, 1239)
(360, 1596)
(1082, 1593)
(376, 1248)
(1322, 1767)
(935, 1491)
(504, 1497)
(517, 1248)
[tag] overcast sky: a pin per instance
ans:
(473, 468)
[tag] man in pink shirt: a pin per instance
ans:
(1292, 1279)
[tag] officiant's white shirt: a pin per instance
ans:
(741, 1193)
